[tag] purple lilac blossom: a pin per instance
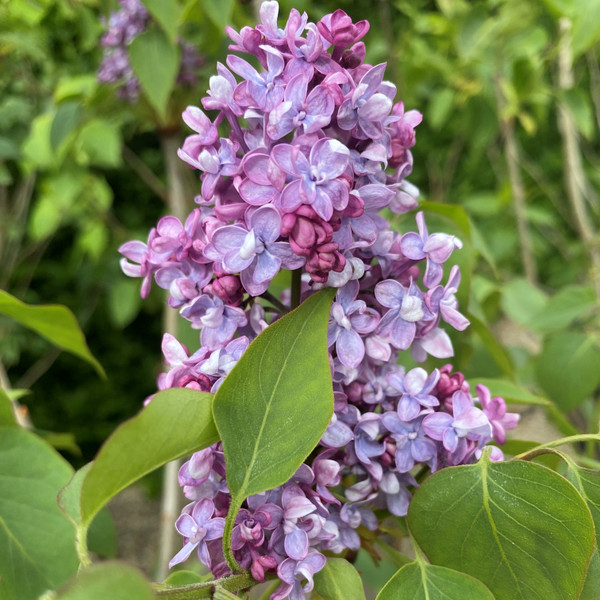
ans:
(296, 159)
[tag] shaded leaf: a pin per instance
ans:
(219, 12)
(420, 581)
(55, 323)
(533, 528)
(99, 144)
(492, 345)
(155, 61)
(592, 579)
(7, 417)
(521, 300)
(112, 580)
(67, 118)
(567, 368)
(565, 306)
(339, 580)
(176, 423)
(37, 542)
(166, 13)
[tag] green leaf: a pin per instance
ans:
(78, 85)
(518, 527)
(107, 580)
(274, 406)
(511, 392)
(492, 345)
(124, 301)
(587, 483)
(420, 581)
(67, 118)
(102, 537)
(55, 323)
(567, 368)
(564, 307)
(166, 13)
(456, 214)
(37, 542)
(176, 423)
(521, 301)
(219, 12)
(592, 579)
(99, 144)
(339, 580)
(7, 417)
(155, 61)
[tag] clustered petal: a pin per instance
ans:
(317, 147)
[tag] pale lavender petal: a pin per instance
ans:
(296, 544)
(350, 348)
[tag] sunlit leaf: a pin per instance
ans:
(420, 581)
(55, 323)
(339, 580)
(176, 423)
(518, 527)
(166, 13)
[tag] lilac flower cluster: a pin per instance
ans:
(316, 150)
(122, 27)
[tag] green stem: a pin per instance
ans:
(283, 309)
(296, 288)
(196, 591)
(81, 546)
(234, 508)
(572, 439)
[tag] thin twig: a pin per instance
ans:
(511, 152)
(145, 174)
(575, 179)
(296, 288)
(275, 302)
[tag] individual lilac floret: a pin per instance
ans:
(316, 180)
(217, 321)
(466, 424)
(350, 318)
(495, 410)
(311, 113)
(254, 253)
(415, 388)
(412, 445)
(443, 303)
(293, 572)
(366, 109)
(436, 248)
(407, 307)
(198, 527)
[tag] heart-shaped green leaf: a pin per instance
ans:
(420, 581)
(176, 423)
(37, 542)
(520, 528)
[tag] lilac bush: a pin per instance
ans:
(317, 154)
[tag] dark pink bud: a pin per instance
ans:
(353, 57)
(337, 28)
(354, 392)
(229, 289)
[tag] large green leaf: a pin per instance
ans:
(518, 527)
(592, 580)
(522, 300)
(67, 118)
(420, 581)
(56, 323)
(219, 12)
(114, 581)
(587, 483)
(176, 423)
(274, 406)
(567, 368)
(155, 61)
(166, 13)
(37, 542)
(339, 580)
